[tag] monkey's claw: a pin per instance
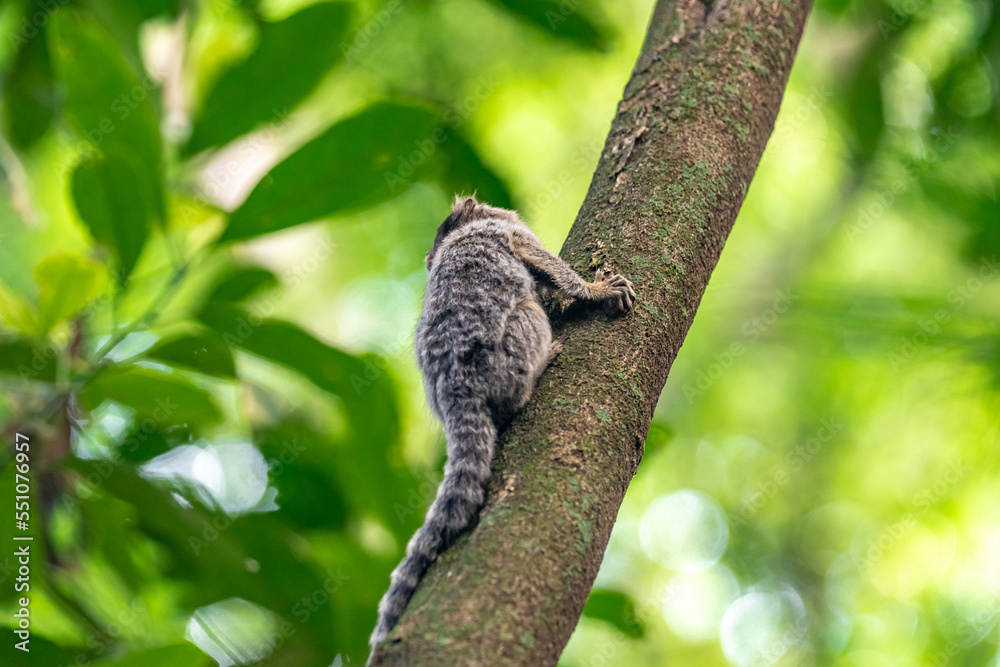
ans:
(616, 290)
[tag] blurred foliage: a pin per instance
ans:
(212, 229)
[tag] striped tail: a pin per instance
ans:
(471, 438)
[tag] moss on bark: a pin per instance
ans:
(682, 150)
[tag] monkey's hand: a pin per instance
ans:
(613, 290)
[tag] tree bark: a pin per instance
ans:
(682, 150)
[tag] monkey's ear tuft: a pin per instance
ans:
(464, 206)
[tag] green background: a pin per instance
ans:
(213, 217)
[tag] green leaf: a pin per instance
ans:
(175, 655)
(976, 208)
(290, 60)
(204, 352)
(160, 516)
(164, 398)
(117, 203)
(106, 102)
(123, 18)
(107, 522)
(209, 552)
(368, 399)
(67, 283)
(128, 15)
(26, 360)
(359, 162)
(614, 608)
(142, 443)
(17, 312)
(560, 19)
(146, 9)
(240, 283)
(303, 467)
(862, 107)
(327, 367)
(29, 99)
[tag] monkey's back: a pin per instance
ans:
(474, 285)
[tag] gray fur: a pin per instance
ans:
(482, 341)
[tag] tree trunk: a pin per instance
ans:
(682, 151)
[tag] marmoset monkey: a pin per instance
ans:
(482, 341)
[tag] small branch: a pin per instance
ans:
(163, 297)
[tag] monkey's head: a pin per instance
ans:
(464, 211)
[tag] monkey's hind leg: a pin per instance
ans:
(525, 349)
